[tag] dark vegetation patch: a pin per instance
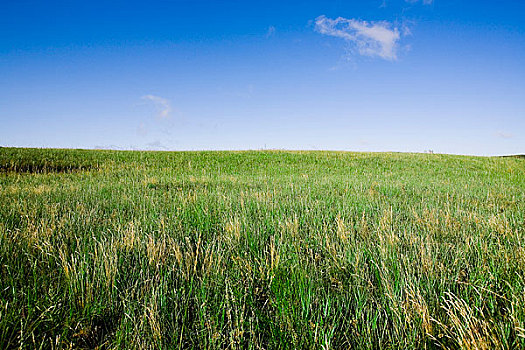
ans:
(38, 161)
(177, 186)
(39, 168)
(520, 156)
(199, 185)
(97, 333)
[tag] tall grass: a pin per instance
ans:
(260, 250)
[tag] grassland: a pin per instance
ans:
(260, 250)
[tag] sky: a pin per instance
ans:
(378, 75)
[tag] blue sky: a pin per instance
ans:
(379, 75)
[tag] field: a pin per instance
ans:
(261, 249)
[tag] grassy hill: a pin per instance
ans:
(260, 250)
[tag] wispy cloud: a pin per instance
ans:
(156, 145)
(270, 32)
(245, 92)
(504, 135)
(425, 2)
(374, 39)
(162, 105)
(142, 130)
(108, 147)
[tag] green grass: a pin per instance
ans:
(260, 250)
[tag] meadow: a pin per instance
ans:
(260, 249)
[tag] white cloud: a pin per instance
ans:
(425, 2)
(162, 105)
(270, 32)
(156, 145)
(142, 130)
(369, 38)
(504, 135)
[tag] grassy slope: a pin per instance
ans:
(260, 249)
